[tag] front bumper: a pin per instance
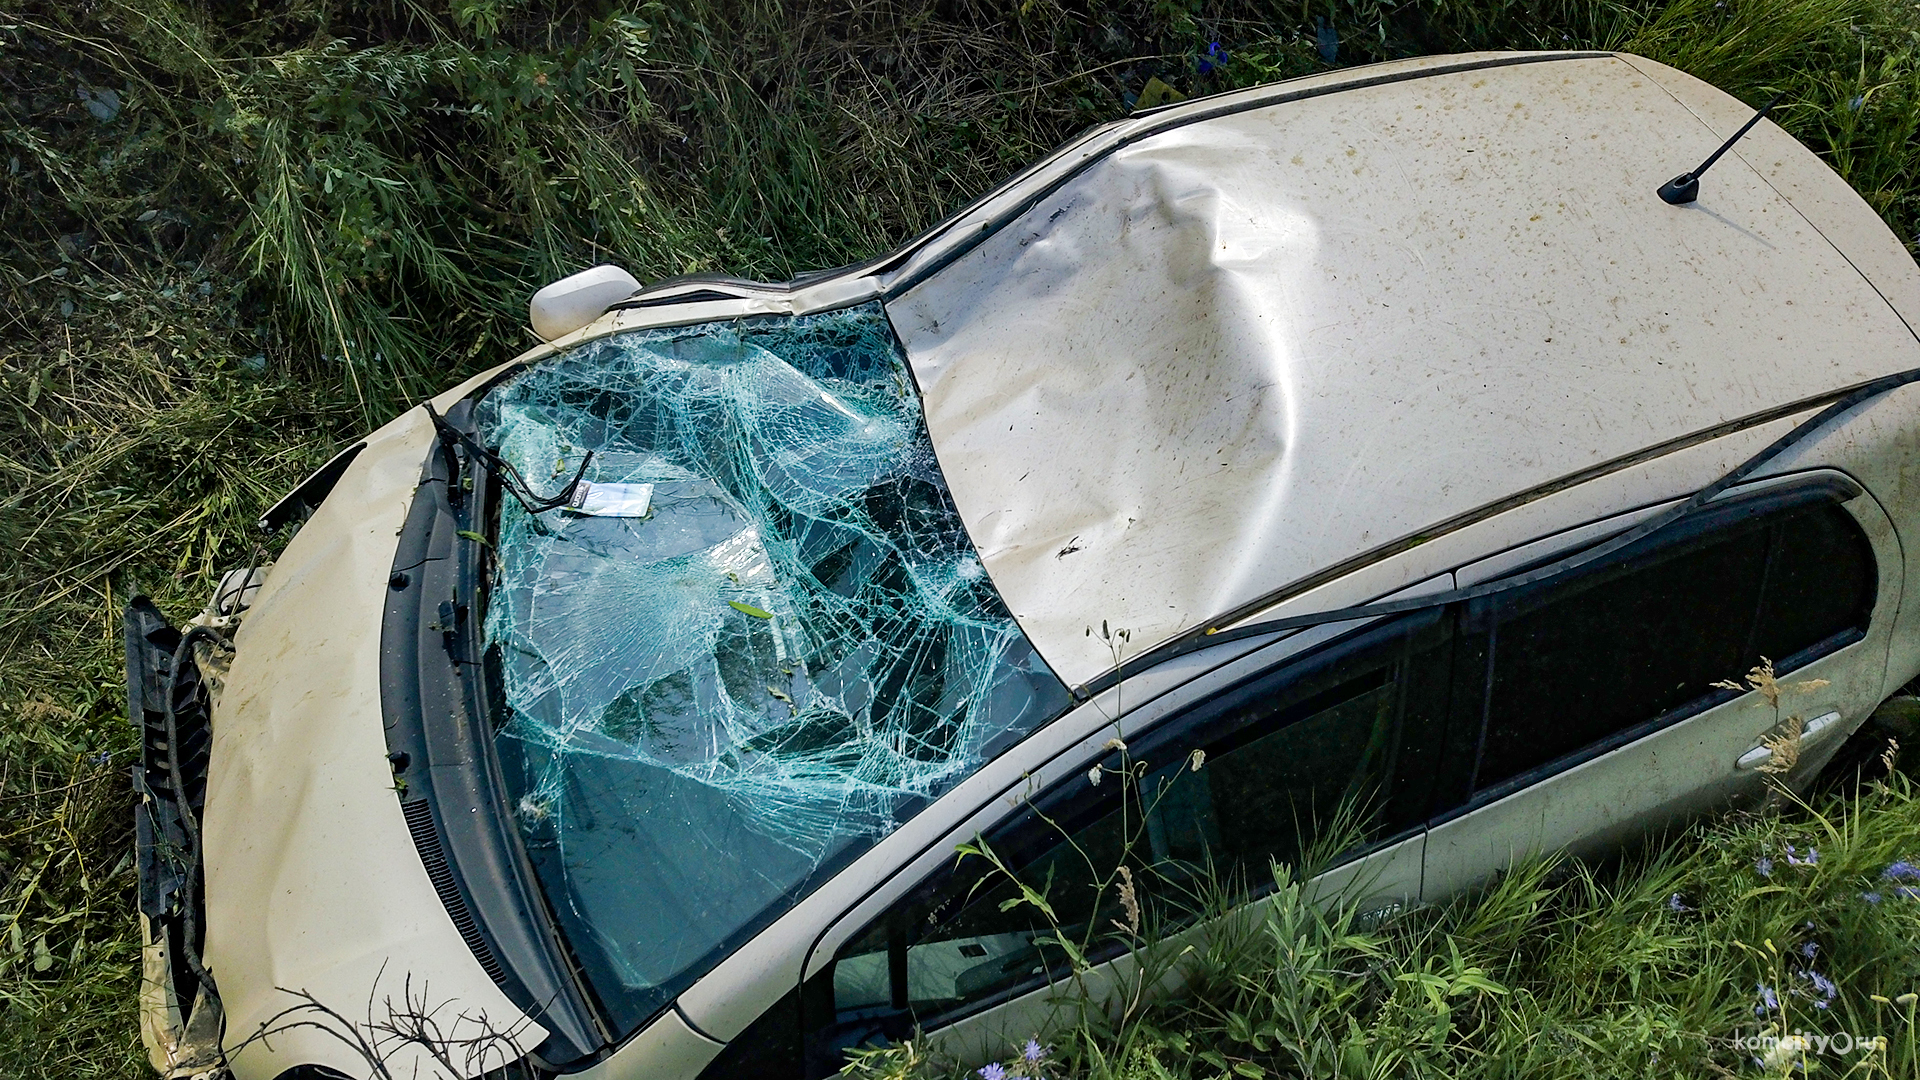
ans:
(170, 703)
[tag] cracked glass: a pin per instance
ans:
(758, 641)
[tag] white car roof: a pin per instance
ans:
(1232, 356)
(1207, 357)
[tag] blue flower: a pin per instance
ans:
(1808, 949)
(1907, 892)
(1034, 1052)
(1812, 859)
(995, 1071)
(1215, 58)
(1769, 1001)
(1901, 871)
(1676, 904)
(1764, 865)
(1823, 985)
(1870, 897)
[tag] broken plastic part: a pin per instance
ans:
(711, 706)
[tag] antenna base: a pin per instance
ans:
(1681, 189)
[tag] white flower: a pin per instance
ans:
(1789, 1049)
(1093, 776)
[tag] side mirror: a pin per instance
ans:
(578, 299)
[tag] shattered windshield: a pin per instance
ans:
(757, 640)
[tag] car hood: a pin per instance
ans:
(313, 883)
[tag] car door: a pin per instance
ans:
(1600, 714)
(1327, 758)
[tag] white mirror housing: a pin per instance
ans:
(577, 299)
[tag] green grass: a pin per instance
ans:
(233, 235)
(1652, 966)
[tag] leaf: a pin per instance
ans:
(469, 534)
(1248, 1069)
(749, 609)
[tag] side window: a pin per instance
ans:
(1641, 637)
(1353, 727)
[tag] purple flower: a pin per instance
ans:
(1907, 892)
(1769, 1001)
(1901, 871)
(1812, 859)
(1764, 865)
(1870, 897)
(1676, 903)
(994, 1071)
(1823, 985)
(1808, 949)
(1215, 58)
(1034, 1052)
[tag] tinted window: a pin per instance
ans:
(1355, 725)
(1644, 635)
(1821, 582)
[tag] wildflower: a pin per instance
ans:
(1823, 985)
(1907, 892)
(993, 1071)
(1870, 897)
(1093, 776)
(1786, 1052)
(1676, 903)
(103, 757)
(1808, 949)
(1196, 759)
(1769, 1001)
(1033, 1053)
(1901, 871)
(1812, 857)
(1215, 58)
(1764, 865)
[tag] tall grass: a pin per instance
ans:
(1675, 962)
(233, 234)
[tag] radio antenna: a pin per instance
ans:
(1686, 187)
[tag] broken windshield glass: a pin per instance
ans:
(757, 640)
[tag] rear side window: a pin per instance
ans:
(1641, 637)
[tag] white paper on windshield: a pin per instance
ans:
(611, 500)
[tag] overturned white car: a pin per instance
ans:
(1376, 444)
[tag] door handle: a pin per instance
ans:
(1814, 730)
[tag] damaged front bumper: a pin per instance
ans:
(171, 691)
